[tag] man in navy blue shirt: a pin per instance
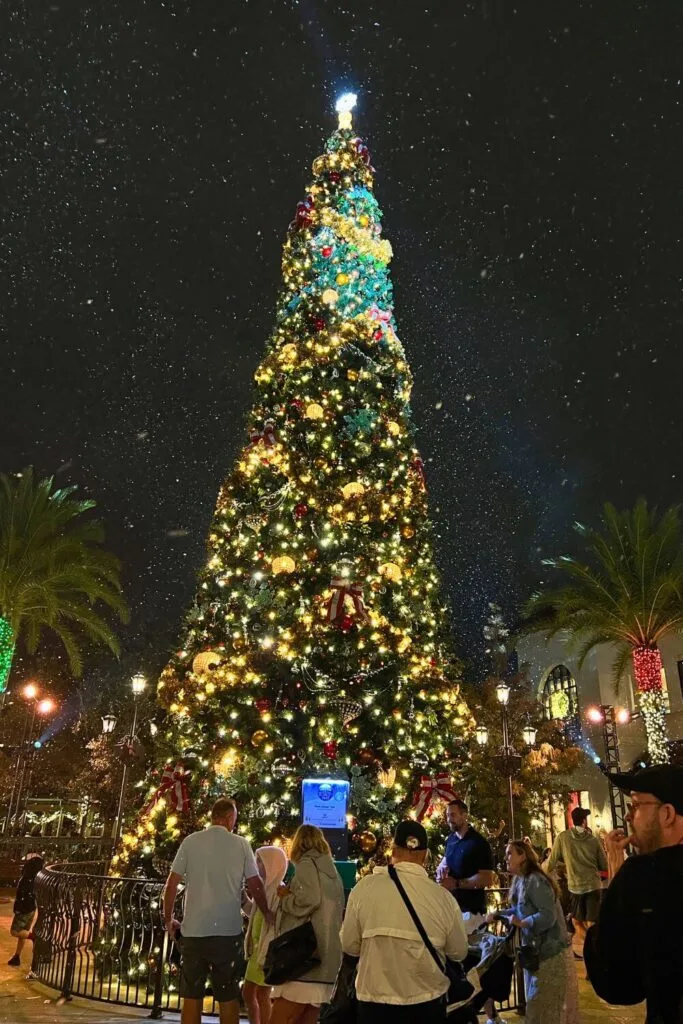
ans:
(467, 867)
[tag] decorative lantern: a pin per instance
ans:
(482, 735)
(283, 563)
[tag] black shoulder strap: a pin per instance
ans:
(393, 874)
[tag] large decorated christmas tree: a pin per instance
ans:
(318, 642)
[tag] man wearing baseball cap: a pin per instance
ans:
(398, 980)
(635, 951)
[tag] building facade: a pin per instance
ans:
(581, 698)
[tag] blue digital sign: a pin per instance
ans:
(324, 802)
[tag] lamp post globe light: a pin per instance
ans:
(138, 684)
(508, 761)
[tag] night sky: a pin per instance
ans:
(527, 170)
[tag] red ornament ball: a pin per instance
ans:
(330, 749)
(346, 623)
(264, 704)
(334, 176)
(301, 510)
(377, 335)
(326, 250)
(319, 323)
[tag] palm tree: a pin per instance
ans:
(53, 571)
(629, 593)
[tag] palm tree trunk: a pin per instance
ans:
(7, 641)
(647, 668)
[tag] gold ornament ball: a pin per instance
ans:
(353, 490)
(283, 563)
(206, 661)
(329, 297)
(408, 531)
(342, 278)
(318, 165)
(368, 841)
(314, 411)
(352, 374)
(258, 737)
(364, 220)
(393, 428)
(391, 571)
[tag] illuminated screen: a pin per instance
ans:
(324, 802)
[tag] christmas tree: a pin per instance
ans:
(318, 641)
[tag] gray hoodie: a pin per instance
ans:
(583, 857)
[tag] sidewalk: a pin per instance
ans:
(29, 1002)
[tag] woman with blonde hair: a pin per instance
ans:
(535, 911)
(315, 894)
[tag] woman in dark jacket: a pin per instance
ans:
(24, 907)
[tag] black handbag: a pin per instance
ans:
(528, 958)
(343, 1006)
(291, 955)
(459, 987)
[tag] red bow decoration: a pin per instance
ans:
(381, 316)
(173, 788)
(267, 435)
(341, 589)
(440, 787)
(304, 214)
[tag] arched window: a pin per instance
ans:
(560, 700)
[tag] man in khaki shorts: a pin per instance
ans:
(214, 864)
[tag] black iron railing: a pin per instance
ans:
(102, 937)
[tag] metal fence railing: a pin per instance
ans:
(52, 848)
(102, 937)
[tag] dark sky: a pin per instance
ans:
(528, 172)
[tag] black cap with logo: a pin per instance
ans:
(664, 781)
(411, 835)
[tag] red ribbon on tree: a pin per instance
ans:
(173, 789)
(380, 316)
(267, 435)
(440, 787)
(364, 153)
(304, 214)
(341, 589)
(419, 467)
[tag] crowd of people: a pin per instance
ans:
(400, 927)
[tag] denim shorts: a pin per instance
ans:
(219, 956)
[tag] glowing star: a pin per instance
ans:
(344, 106)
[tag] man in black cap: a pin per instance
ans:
(635, 951)
(398, 980)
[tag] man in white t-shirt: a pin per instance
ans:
(214, 864)
(398, 979)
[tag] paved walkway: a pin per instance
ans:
(29, 1002)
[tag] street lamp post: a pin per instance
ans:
(508, 762)
(137, 685)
